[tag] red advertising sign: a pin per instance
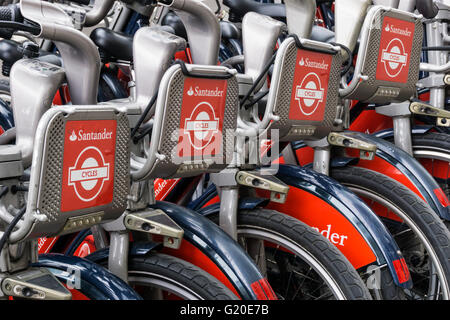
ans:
(202, 114)
(88, 164)
(395, 50)
(310, 86)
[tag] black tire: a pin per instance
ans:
(163, 272)
(434, 146)
(418, 217)
(277, 228)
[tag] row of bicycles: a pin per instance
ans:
(170, 149)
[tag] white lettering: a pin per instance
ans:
(207, 92)
(335, 238)
(88, 136)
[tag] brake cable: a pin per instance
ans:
(35, 30)
(258, 80)
(144, 115)
(11, 226)
(349, 58)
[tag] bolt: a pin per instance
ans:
(27, 292)
(256, 182)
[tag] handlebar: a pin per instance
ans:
(11, 20)
(427, 8)
(11, 13)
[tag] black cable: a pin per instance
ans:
(11, 226)
(219, 8)
(258, 97)
(20, 26)
(349, 58)
(4, 191)
(144, 115)
(61, 94)
(147, 131)
(258, 80)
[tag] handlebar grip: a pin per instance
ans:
(11, 13)
(427, 8)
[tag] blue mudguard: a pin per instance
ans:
(96, 282)
(135, 249)
(206, 236)
(411, 168)
(350, 206)
(226, 253)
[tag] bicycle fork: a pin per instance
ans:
(139, 217)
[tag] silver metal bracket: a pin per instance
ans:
(435, 80)
(156, 222)
(278, 189)
(366, 149)
(443, 116)
(36, 284)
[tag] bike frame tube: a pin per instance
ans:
(228, 210)
(118, 254)
(402, 133)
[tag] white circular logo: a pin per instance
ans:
(202, 125)
(309, 93)
(88, 174)
(394, 57)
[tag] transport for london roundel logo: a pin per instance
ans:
(201, 118)
(89, 173)
(394, 57)
(201, 125)
(88, 164)
(309, 93)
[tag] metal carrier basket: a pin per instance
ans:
(304, 90)
(195, 122)
(80, 175)
(387, 67)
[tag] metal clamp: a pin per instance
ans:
(367, 149)
(36, 284)
(156, 222)
(443, 116)
(278, 189)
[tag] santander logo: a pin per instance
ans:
(334, 237)
(313, 64)
(197, 92)
(81, 135)
(391, 28)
